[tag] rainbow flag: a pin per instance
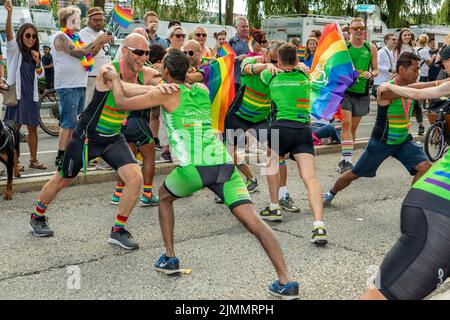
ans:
(122, 16)
(301, 53)
(43, 2)
(219, 77)
(251, 43)
(332, 72)
(225, 50)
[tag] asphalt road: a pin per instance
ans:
(227, 262)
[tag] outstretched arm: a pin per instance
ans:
(421, 94)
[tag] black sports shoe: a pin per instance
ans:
(344, 166)
(122, 238)
(40, 227)
(271, 215)
(421, 130)
(58, 161)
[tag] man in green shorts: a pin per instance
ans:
(204, 162)
(290, 132)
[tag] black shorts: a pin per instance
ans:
(420, 260)
(291, 140)
(236, 127)
(137, 131)
(114, 150)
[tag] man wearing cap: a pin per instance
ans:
(96, 20)
(47, 63)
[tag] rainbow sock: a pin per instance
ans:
(39, 210)
(119, 189)
(119, 223)
(148, 190)
(347, 150)
(282, 162)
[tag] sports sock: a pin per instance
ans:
(119, 189)
(274, 206)
(119, 223)
(347, 150)
(148, 190)
(319, 224)
(282, 192)
(39, 210)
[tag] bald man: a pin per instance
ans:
(98, 133)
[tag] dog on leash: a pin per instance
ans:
(9, 153)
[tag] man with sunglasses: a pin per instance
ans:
(204, 163)
(98, 133)
(96, 21)
(356, 102)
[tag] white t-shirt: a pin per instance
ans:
(385, 62)
(88, 35)
(68, 70)
(424, 54)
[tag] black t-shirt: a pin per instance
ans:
(433, 70)
(50, 72)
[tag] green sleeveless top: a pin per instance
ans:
(361, 60)
(256, 103)
(189, 128)
(111, 119)
(437, 179)
(290, 94)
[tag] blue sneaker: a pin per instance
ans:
(167, 265)
(287, 292)
(115, 200)
(146, 201)
(327, 199)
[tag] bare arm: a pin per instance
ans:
(257, 68)
(194, 77)
(62, 43)
(421, 94)
(9, 31)
(151, 76)
(418, 85)
(134, 89)
(374, 60)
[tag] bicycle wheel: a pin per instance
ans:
(49, 117)
(434, 142)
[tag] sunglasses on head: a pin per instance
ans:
(189, 53)
(178, 36)
(201, 35)
(29, 35)
(139, 52)
(359, 28)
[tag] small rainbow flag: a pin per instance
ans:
(122, 16)
(332, 73)
(251, 43)
(301, 53)
(225, 50)
(219, 77)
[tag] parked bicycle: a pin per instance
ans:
(49, 116)
(437, 137)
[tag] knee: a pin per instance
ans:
(134, 180)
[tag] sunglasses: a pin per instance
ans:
(178, 36)
(189, 53)
(29, 35)
(262, 42)
(139, 52)
(201, 35)
(359, 28)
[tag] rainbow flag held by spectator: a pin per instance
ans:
(225, 50)
(219, 77)
(122, 16)
(251, 43)
(301, 53)
(332, 72)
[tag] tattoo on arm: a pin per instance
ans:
(65, 45)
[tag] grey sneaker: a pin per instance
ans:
(166, 156)
(40, 227)
(122, 238)
(344, 166)
(319, 236)
(287, 203)
(327, 199)
(252, 186)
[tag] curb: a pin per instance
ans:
(35, 183)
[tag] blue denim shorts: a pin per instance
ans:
(71, 104)
(409, 153)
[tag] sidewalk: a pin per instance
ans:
(36, 181)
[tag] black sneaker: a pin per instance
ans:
(157, 145)
(217, 199)
(58, 161)
(166, 156)
(122, 238)
(271, 215)
(40, 227)
(421, 130)
(252, 186)
(344, 166)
